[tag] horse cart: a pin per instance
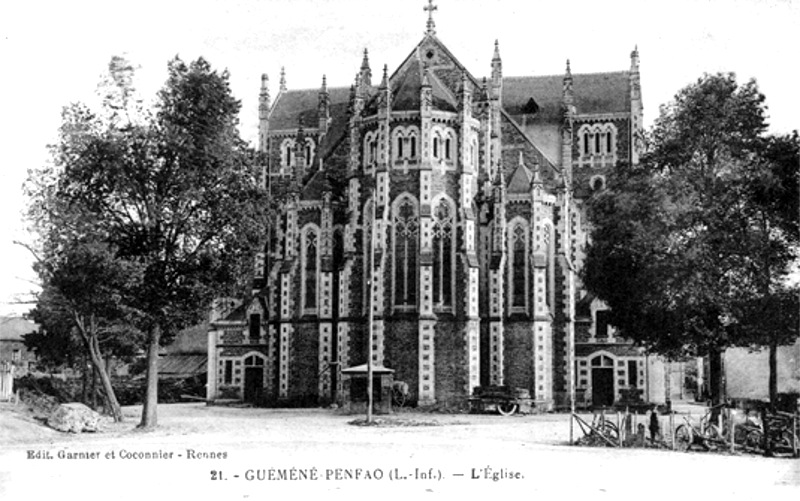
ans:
(504, 400)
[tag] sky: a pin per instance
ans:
(53, 53)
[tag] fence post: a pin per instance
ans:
(672, 428)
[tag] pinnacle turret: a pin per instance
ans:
(366, 72)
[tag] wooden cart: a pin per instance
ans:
(504, 400)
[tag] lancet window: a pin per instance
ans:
(310, 269)
(443, 254)
(405, 222)
(518, 266)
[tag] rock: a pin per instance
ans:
(74, 418)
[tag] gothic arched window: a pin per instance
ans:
(406, 248)
(443, 255)
(518, 267)
(310, 260)
(309, 151)
(287, 154)
(598, 145)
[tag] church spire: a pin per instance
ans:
(263, 113)
(366, 72)
(567, 89)
(497, 72)
(323, 108)
(263, 98)
(431, 26)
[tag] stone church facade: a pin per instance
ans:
(454, 207)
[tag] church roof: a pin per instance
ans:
(593, 92)
(316, 186)
(520, 181)
(445, 75)
(407, 84)
(295, 107)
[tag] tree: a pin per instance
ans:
(173, 199)
(690, 249)
(81, 294)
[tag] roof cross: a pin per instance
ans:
(430, 8)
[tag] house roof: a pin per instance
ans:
(193, 340)
(182, 365)
(616, 349)
(362, 369)
(13, 328)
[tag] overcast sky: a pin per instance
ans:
(53, 53)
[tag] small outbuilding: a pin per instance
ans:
(354, 388)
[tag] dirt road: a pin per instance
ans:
(201, 452)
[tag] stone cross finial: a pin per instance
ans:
(431, 25)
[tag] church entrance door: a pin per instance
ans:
(602, 381)
(602, 387)
(253, 384)
(253, 379)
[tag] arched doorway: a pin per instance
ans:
(253, 379)
(602, 381)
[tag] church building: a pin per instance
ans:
(451, 206)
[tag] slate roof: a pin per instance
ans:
(616, 349)
(193, 340)
(13, 328)
(593, 92)
(294, 107)
(520, 181)
(316, 186)
(182, 365)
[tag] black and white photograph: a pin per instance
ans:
(265, 249)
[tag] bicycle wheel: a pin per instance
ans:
(683, 438)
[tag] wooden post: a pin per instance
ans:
(619, 430)
(732, 430)
(672, 428)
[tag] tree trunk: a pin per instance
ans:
(773, 373)
(149, 417)
(716, 376)
(84, 379)
(105, 379)
(94, 386)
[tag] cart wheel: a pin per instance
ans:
(683, 438)
(507, 408)
(785, 443)
(754, 440)
(398, 398)
(610, 431)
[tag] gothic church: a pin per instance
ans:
(451, 205)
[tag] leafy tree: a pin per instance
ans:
(172, 198)
(690, 249)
